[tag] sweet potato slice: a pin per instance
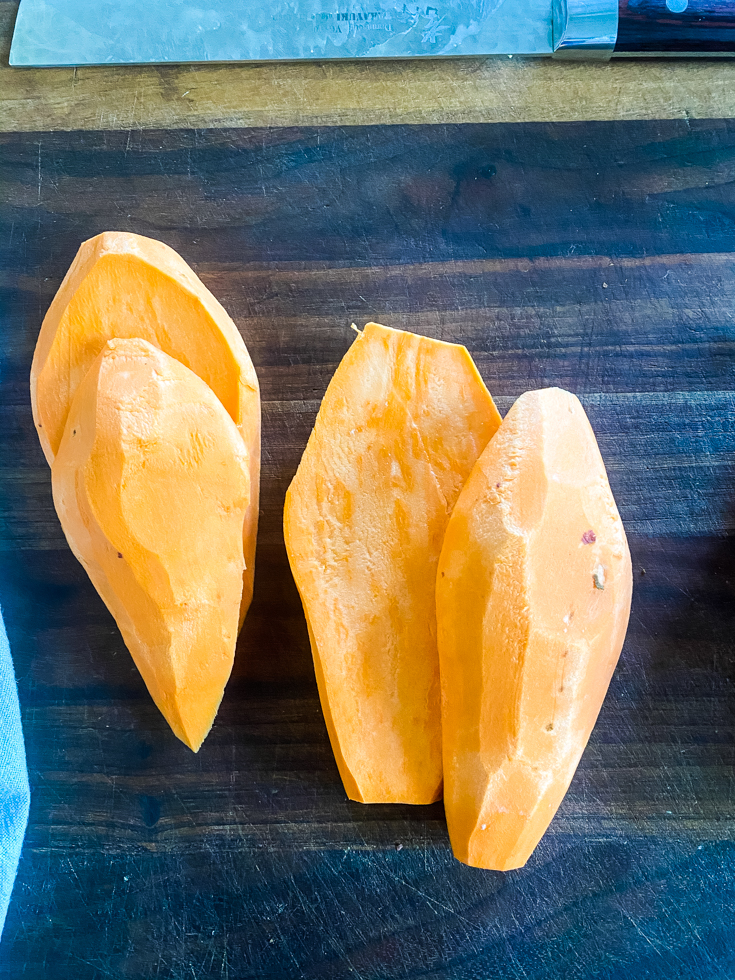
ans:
(400, 427)
(533, 597)
(124, 285)
(151, 484)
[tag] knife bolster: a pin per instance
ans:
(584, 29)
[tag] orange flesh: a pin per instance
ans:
(123, 285)
(151, 484)
(533, 597)
(400, 427)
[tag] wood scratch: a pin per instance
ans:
(428, 898)
(40, 174)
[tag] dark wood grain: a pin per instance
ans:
(703, 27)
(599, 257)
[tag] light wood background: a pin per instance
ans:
(350, 93)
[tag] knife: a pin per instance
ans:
(108, 32)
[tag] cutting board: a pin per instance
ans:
(598, 257)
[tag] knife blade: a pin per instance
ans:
(108, 32)
(93, 32)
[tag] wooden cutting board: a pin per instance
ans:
(594, 256)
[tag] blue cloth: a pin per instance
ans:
(14, 791)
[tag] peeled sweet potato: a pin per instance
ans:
(151, 484)
(533, 597)
(401, 425)
(124, 285)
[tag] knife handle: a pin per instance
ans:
(600, 28)
(676, 27)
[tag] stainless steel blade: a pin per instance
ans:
(107, 32)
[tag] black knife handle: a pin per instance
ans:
(698, 27)
(601, 28)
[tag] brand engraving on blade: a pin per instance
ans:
(428, 19)
(346, 21)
